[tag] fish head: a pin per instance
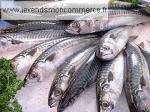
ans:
(33, 76)
(54, 97)
(20, 62)
(78, 27)
(107, 103)
(4, 41)
(107, 49)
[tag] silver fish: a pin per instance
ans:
(32, 36)
(112, 43)
(96, 22)
(31, 26)
(27, 56)
(84, 77)
(54, 56)
(110, 84)
(62, 78)
(135, 82)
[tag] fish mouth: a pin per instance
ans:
(52, 103)
(69, 30)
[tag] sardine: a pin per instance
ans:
(134, 80)
(54, 56)
(96, 22)
(27, 56)
(32, 36)
(32, 26)
(84, 77)
(112, 43)
(62, 78)
(109, 84)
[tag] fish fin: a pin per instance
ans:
(72, 70)
(16, 42)
(51, 57)
(141, 45)
(131, 38)
(143, 82)
(110, 76)
(32, 52)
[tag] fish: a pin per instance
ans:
(27, 55)
(84, 78)
(112, 43)
(32, 26)
(62, 79)
(122, 5)
(54, 56)
(109, 84)
(32, 36)
(134, 79)
(145, 53)
(106, 20)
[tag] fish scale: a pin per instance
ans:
(68, 43)
(84, 77)
(39, 46)
(62, 79)
(133, 83)
(36, 35)
(30, 26)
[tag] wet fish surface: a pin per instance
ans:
(109, 84)
(84, 77)
(26, 56)
(112, 43)
(134, 80)
(32, 26)
(62, 78)
(54, 56)
(96, 22)
(32, 36)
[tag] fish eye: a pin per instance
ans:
(58, 92)
(106, 47)
(105, 104)
(76, 25)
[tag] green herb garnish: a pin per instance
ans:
(9, 84)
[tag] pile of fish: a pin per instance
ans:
(107, 53)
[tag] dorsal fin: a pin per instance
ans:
(32, 52)
(51, 57)
(141, 45)
(143, 82)
(132, 38)
(16, 42)
(110, 76)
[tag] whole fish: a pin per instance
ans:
(54, 56)
(134, 80)
(32, 36)
(31, 26)
(84, 77)
(112, 43)
(27, 56)
(109, 84)
(106, 20)
(62, 78)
